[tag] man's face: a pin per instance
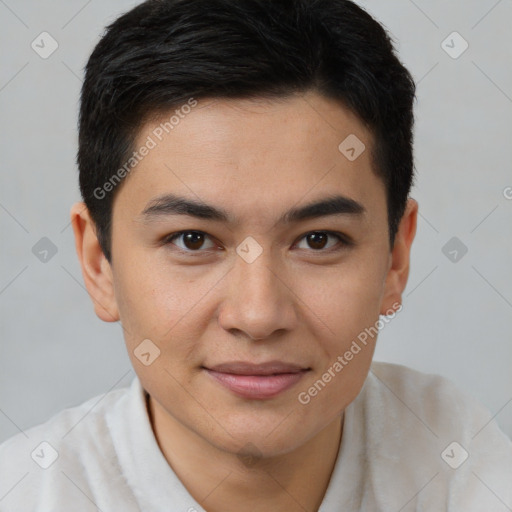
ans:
(254, 287)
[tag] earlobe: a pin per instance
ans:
(398, 272)
(96, 270)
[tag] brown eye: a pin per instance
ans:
(318, 240)
(193, 240)
(190, 241)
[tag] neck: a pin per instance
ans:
(294, 481)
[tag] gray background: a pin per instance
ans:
(54, 351)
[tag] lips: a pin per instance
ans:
(268, 368)
(257, 381)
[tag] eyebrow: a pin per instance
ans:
(171, 204)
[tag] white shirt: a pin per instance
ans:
(404, 447)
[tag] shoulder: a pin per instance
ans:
(429, 403)
(422, 429)
(51, 461)
(88, 419)
(437, 401)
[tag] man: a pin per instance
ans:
(245, 167)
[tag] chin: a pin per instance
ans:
(264, 438)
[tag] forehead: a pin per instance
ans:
(254, 154)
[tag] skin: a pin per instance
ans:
(255, 159)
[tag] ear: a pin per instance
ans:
(398, 271)
(96, 270)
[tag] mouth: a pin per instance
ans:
(257, 381)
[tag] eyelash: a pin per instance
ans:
(343, 241)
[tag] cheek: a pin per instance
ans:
(347, 349)
(162, 303)
(144, 298)
(158, 306)
(349, 303)
(346, 299)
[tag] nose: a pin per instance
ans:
(258, 300)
